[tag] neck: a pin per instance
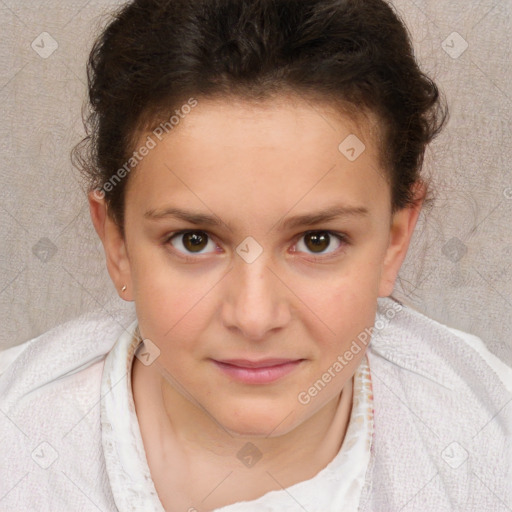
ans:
(177, 425)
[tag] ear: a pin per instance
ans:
(402, 227)
(118, 263)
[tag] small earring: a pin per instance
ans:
(123, 289)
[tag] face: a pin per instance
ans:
(252, 239)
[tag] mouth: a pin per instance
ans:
(257, 372)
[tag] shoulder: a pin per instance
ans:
(59, 355)
(502, 370)
(445, 373)
(440, 408)
(420, 344)
(50, 421)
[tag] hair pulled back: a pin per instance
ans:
(154, 56)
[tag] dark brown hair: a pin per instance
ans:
(155, 55)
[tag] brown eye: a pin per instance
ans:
(195, 241)
(191, 242)
(317, 242)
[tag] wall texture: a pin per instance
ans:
(458, 270)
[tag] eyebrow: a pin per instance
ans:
(307, 219)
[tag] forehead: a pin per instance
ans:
(277, 123)
(260, 155)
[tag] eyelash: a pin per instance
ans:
(342, 238)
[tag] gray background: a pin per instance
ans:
(458, 270)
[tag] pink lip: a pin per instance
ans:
(257, 372)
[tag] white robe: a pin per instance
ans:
(439, 438)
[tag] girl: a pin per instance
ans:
(255, 181)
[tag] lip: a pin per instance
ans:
(262, 363)
(257, 372)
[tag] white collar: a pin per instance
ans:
(336, 487)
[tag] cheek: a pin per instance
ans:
(167, 301)
(170, 317)
(342, 310)
(345, 302)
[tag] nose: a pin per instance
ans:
(255, 301)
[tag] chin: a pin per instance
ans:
(259, 420)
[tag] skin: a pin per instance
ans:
(251, 166)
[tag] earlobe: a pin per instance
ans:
(118, 264)
(400, 235)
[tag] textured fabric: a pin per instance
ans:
(441, 436)
(49, 420)
(443, 422)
